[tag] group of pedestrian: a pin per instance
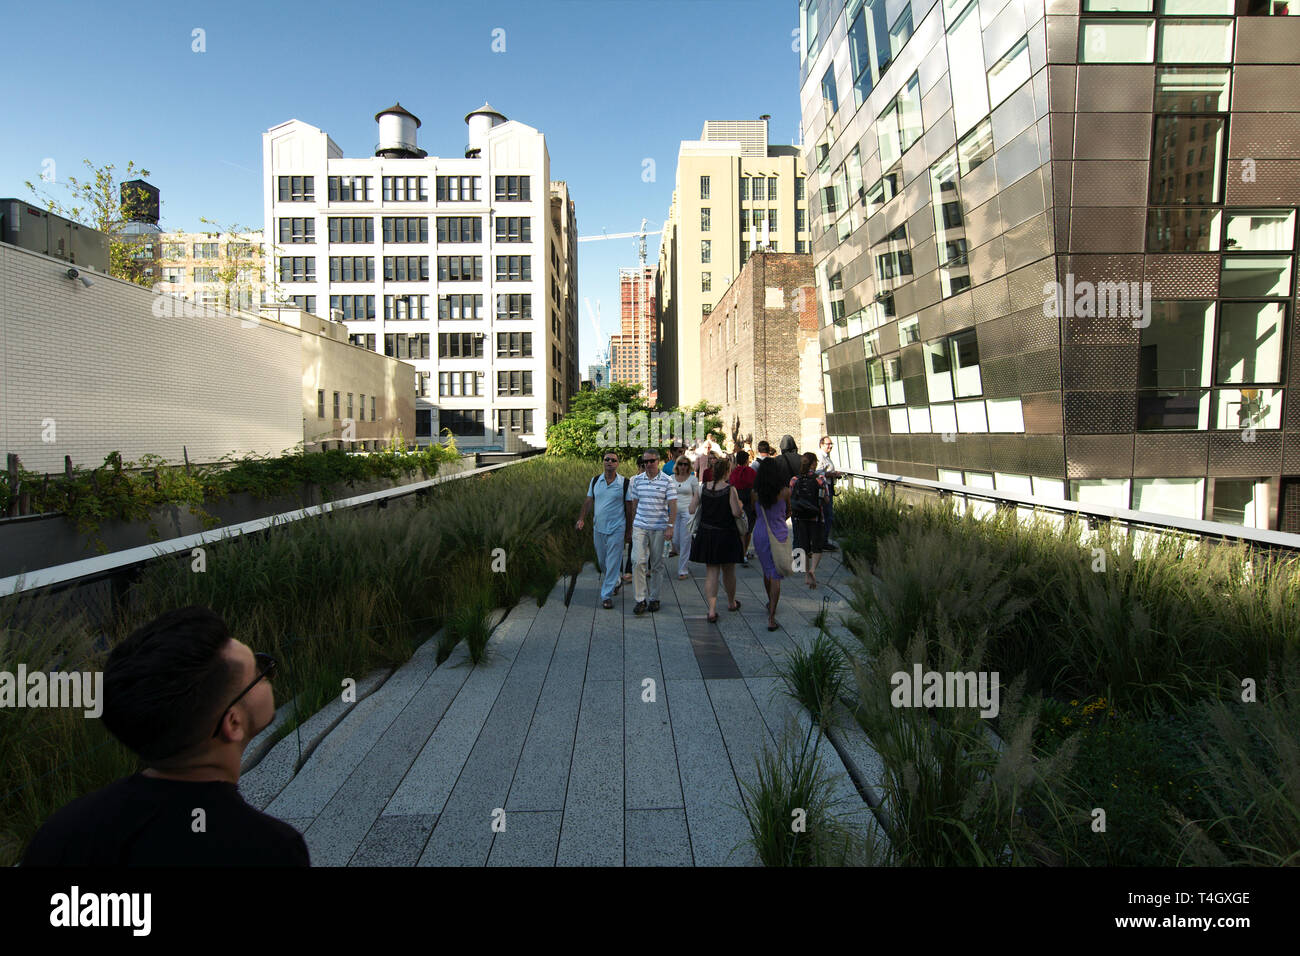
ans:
(709, 507)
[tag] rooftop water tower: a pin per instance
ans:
(480, 121)
(397, 128)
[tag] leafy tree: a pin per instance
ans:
(240, 267)
(98, 202)
(619, 412)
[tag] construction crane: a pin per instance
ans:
(641, 335)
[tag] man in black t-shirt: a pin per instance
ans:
(166, 687)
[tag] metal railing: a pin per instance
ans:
(122, 568)
(923, 488)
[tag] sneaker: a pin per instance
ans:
(640, 608)
(607, 604)
(654, 606)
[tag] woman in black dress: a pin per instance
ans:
(717, 541)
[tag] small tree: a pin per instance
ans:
(98, 202)
(238, 266)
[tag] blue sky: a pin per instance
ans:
(610, 82)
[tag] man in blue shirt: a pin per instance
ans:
(611, 524)
(655, 495)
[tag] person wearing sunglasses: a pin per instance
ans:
(656, 512)
(611, 524)
(187, 698)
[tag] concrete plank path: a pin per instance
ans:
(588, 737)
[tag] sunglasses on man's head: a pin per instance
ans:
(266, 667)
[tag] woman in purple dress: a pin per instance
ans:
(772, 495)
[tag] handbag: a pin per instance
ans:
(782, 553)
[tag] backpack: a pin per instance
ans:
(805, 499)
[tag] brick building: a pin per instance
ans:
(759, 352)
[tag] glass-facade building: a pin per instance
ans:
(1055, 246)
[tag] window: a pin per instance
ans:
(453, 307)
(457, 188)
(1195, 41)
(406, 268)
(706, 281)
(830, 100)
(461, 421)
(1175, 187)
(515, 306)
(1181, 497)
(336, 405)
(406, 307)
(460, 345)
(800, 189)
(406, 189)
(1248, 276)
(706, 250)
(1174, 347)
(758, 188)
(205, 274)
(352, 268)
(173, 250)
(512, 188)
(1188, 89)
(320, 403)
(461, 229)
(514, 345)
(1260, 230)
(298, 269)
(351, 229)
(349, 189)
(297, 189)
(460, 268)
(771, 189)
(1116, 41)
(1242, 501)
(406, 229)
(515, 419)
(296, 231)
(514, 268)
(514, 229)
(970, 92)
(900, 32)
(173, 274)
(1183, 230)
(364, 340)
(305, 302)
(976, 148)
(514, 383)
(407, 346)
(909, 331)
(966, 365)
(372, 408)
(456, 384)
(869, 49)
(801, 220)
(704, 219)
(744, 187)
(1250, 342)
(1009, 73)
(205, 250)
(704, 187)
(354, 306)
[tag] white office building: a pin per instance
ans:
(463, 267)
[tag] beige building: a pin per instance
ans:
(734, 193)
(211, 269)
(143, 373)
(760, 354)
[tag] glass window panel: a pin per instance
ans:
(1183, 230)
(1237, 408)
(950, 477)
(1116, 6)
(1111, 492)
(1197, 8)
(1175, 347)
(1009, 73)
(938, 371)
(909, 112)
(1188, 89)
(1242, 501)
(1255, 275)
(1195, 41)
(901, 31)
(1173, 409)
(971, 417)
(876, 382)
(1250, 342)
(1182, 170)
(1181, 497)
(1262, 230)
(1005, 415)
(1016, 484)
(943, 418)
(919, 420)
(909, 331)
(1117, 41)
(888, 137)
(952, 11)
(894, 380)
(966, 364)
(976, 148)
(970, 99)
(898, 423)
(1052, 488)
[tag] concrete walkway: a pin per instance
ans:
(588, 737)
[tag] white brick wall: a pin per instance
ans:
(114, 376)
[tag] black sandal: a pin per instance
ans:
(733, 609)
(712, 618)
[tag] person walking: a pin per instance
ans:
(770, 533)
(764, 453)
(611, 524)
(808, 494)
(717, 543)
(687, 487)
(826, 468)
(742, 478)
(652, 523)
(791, 463)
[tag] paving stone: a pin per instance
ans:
(658, 838)
(592, 829)
(529, 839)
(652, 780)
(743, 730)
(394, 840)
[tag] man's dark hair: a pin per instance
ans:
(742, 458)
(770, 481)
(166, 684)
(807, 463)
(764, 448)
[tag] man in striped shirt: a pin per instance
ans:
(655, 516)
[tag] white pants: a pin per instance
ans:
(682, 539)
(647, 563)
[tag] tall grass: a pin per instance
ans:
(330, 597)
